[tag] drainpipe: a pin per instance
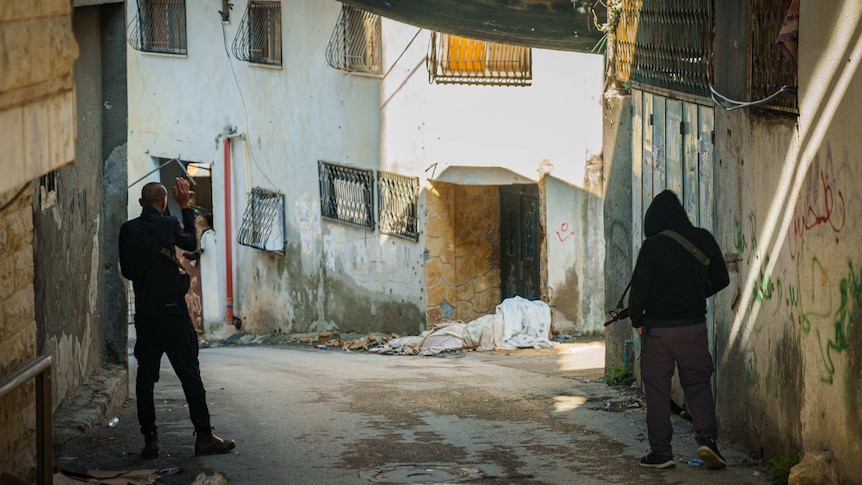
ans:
(226, 137)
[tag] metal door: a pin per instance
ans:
(519, 241)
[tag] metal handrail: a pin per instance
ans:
(39, 369)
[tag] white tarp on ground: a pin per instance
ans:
(517, 323)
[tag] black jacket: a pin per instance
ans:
(669, 285)
(156, 278)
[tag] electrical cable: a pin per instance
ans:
(721, 99)
(402, 54)
(244, 109)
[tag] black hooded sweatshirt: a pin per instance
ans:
(669, 284)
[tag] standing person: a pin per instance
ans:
(161, 317)
(679, 266)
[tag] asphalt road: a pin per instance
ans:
(307, 416)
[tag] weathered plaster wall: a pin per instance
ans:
(462, 238)
(332, 274)
(69, 233)
(788, 327)
(617, 178)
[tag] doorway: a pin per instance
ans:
(519, 241)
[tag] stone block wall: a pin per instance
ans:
(37, 104)
(18, 330)
(462, 239)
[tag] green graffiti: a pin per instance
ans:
(752, 377)
(763, 286)
(739, 237)
(752, 222)
(850, 291)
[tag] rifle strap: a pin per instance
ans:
(691, 248)
(149, 241)
(622, 302)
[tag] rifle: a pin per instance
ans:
(617, 315)
(624, 312)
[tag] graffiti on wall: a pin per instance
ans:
(827, 208)
(816, 288)
(564, 232)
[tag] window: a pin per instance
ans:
(48, 190)
(355, 42)
(459, 60)
(345, 194)
(770, 68)
(665, 45)
(160, 26)
(263, 221)
(258, 39)
(397, 196)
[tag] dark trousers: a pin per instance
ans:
(688, 348)
(175, 336)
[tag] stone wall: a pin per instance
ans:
(18, 328)
(37, 103)
(462, 239)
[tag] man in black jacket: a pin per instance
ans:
(679, 266)
(162, 319)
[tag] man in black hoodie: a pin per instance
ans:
(679, 266)
(162, 318)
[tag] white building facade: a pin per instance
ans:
(361, 194)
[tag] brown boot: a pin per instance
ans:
(151, 445)
(210, 444)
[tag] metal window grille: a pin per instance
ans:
(258, 39)
(459, 60)
(770, 70)
(159, 26)
(665, 44)
(397, 197)
(263, 221)
(355, 45)
(345, 194)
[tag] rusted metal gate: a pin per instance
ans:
(672, 148)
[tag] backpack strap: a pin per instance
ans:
(691, 248)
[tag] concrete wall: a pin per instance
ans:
(82, 325)
(788, 329)
(617, 157)
(37, 117)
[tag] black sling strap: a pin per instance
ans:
(149, 241)
(688, 245)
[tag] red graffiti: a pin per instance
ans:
(565, 228)
(815, 216)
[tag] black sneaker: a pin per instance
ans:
(657, 460)
(708, 452)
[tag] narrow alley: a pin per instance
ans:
(307, 416)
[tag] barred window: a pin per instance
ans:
(159, 26)
(665, 44)
(397, 196)
(263, 221)
(258, 39)
(355, 45)
(459, 60)
(345, 194)
(770, 68)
